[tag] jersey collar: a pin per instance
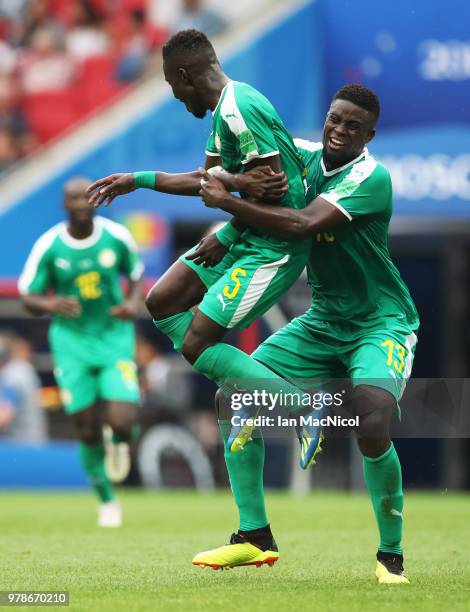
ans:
(92, 239)
(326, 172)
(221, 96)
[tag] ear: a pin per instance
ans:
(183, 75)
(369, 136)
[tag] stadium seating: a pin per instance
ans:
(50, 113)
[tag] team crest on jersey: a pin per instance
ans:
(107, 258)
(217, 142)
(84, 264)
(62, 263)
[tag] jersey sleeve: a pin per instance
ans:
(131, 264)
(311, 153)
(211, 149)
(251, 124)
(365, 190)
(36, 276)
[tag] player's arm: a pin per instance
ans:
(132, 267)
(36, 279)
(38, 305)
(103, 191)
(365, 190)
(129, 308)
(319, 215)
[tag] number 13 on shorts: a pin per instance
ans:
(396, 354)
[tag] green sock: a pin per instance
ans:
(175, 327)
(135, 433)
(225, 365)
(92, 458)
(245, 470)
(383, 479)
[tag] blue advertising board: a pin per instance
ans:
(414, 55)
(430, 169)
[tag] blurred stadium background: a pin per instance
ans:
(81, 92)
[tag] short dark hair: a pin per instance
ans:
(187, 42)
(361, 96)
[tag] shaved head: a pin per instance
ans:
(193, 71)
(76, 183)
(189, 47)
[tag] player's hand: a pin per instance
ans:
(126, 311)
(106, 189)
(208, 252)
(212, 191)
(68, 307)
(262, 183)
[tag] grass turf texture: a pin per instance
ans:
(327, 543)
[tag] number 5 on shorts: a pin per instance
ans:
(231, 293)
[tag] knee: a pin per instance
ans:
(121, 425)
(155, 303)
(88, 434)
(373, 433)
(373, 425)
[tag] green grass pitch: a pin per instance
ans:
(327, 544)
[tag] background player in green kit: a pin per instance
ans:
(246, 132)
(361, 323)
(91, 334)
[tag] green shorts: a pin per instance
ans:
(306, 349)
(247, 282)
(88, 369)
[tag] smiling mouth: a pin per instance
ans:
(335, 143)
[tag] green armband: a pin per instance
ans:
(148, 180)
(227, 235)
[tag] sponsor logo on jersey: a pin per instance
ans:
(107, 258)
(60, 262)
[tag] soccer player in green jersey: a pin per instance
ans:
(246, 133)
(92, 333)
(361, 324)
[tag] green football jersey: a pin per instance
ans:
(88, 269)
(245, 127)
(350, 271)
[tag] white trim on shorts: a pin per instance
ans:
(258, 285)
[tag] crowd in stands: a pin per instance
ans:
(62, 59)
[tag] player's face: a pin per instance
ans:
(348, 128)
(184, 90)
(76, 204)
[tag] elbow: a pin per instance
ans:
(298, 229)
(30, 309)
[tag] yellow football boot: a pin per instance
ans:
(389, 569)
(240, 552)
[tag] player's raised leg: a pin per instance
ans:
(170, 299)
(255, 281)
